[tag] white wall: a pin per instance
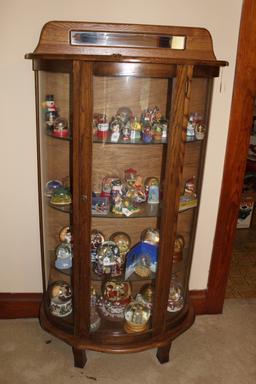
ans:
(20, 25)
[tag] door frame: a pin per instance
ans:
(244, 93)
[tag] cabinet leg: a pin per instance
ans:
(163, 353)
(79, 357)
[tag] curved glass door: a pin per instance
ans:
(54, 134)
(130, 130)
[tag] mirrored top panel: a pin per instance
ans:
(120, 39)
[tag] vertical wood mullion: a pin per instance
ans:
(171, 193)
(82, 159)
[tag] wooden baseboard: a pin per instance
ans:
(24, 305)
(19, 305)
(199, 300)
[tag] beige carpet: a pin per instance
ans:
(218, 349)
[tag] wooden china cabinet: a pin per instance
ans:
(122, 123)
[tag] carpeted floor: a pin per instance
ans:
(218, 349)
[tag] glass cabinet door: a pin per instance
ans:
(130, 132)
(54, 138)
(195, 139)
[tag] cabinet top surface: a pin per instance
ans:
(125, 42)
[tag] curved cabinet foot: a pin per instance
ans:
(79, 357)
(163, 353)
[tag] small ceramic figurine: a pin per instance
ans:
(60, 128)
(50, 110)
(60, 295)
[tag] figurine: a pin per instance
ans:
(50, 110)
(147, 134)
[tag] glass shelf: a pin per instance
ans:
(135, 141)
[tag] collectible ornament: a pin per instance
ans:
(97, 238)
(146, 295)
(150, 236)
(152, 190)
(135, 129)
(95, 319)
(60, 127)
(136, 317)
(101, 123)
(200, 131)
(51, 186)
(65, 235)
(124, 114)
(176, 298)
(50, 110)
(123, 241)
(63, 256)
(143, 267)
(108, 260)
(61, 196)
(116, 296)
(178, 249)
(115, 128)
(60, 295)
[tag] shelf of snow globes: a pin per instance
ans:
(107, 140)
(140, 211)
